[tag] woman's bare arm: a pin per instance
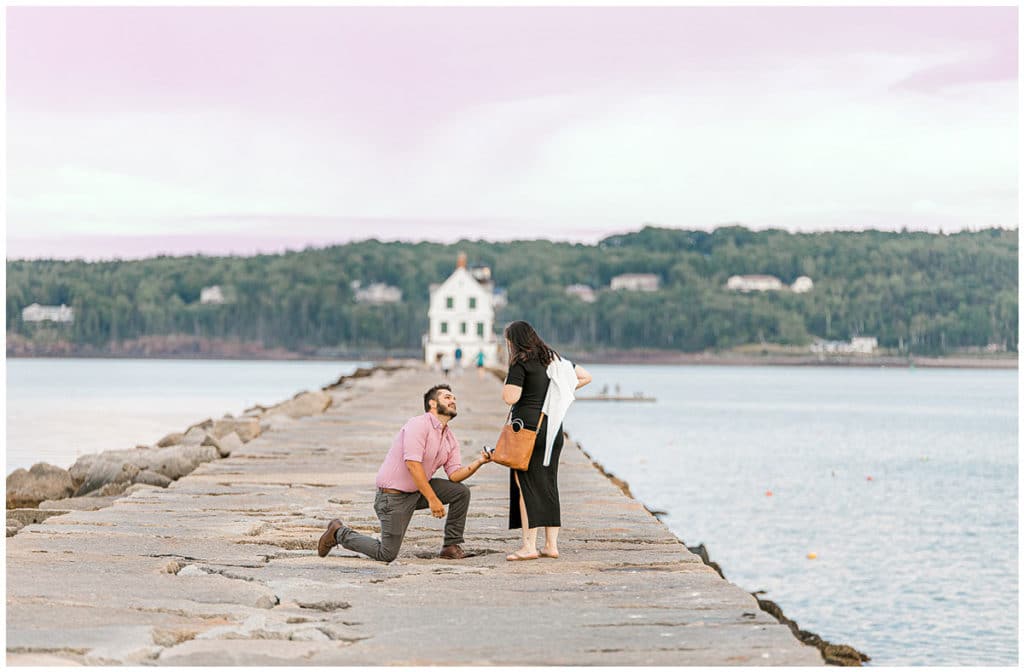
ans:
(510, 393)
(583, 377)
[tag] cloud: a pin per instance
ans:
(996, 64)
(684, 119)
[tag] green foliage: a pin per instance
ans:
(916, 292)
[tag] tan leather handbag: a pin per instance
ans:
(515, 443)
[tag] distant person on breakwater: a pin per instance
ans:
(447, 362)
(538, 380)
(423, 445)
(480, 365)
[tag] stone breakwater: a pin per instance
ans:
(219, 567)
(96, 480)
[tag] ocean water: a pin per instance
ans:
(916, 566)
(61, 409)
(903, 482)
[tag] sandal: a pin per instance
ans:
(514, 557)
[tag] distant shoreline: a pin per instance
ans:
(646, 358)
(743, 359)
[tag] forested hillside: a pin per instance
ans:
(916, 292)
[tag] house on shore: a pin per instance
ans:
(211, 295)
(863, 345)
(636, 282)
(461, 315)
(38, 313)
(767, 283)
(802, 285)
(376, 293)
(753, 283)
(584, 293)
(858, 345)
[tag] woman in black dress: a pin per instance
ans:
(533, 494)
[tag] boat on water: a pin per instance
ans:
(639, 396)
(606, 395)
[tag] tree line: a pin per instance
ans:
(918, 293)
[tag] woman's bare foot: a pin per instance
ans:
(549, 553)
(523, 554)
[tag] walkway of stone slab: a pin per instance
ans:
(220, 568)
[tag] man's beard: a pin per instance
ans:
(446, 410)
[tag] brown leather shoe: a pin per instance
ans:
(327, 540)
(453, 552)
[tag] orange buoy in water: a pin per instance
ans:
(870, 479)
(812, 555)
(767, 493)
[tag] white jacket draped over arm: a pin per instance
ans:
(561, 393)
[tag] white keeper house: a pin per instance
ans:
(462, 315)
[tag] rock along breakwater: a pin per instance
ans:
(220, 568)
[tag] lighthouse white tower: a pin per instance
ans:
(462, 316)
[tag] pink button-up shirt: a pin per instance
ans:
(422, 439)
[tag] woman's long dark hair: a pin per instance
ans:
(527, 345)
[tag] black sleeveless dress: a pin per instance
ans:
(539, 483)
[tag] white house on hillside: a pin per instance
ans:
(584, 293)
(864, 345)
(461, 314)
(802, 284)
(753, 283)
(37, 313)
(376, 293)
(636, 282)
(211, 295)
(858, 345)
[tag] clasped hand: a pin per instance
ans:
(436, 508)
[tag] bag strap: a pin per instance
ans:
(540, 420)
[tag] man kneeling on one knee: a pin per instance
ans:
(424, 444)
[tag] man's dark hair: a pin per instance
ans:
(432, 394)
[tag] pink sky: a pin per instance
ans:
(137, 131)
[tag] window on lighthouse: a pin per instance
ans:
(480, 329)
(444, 327)
(472, 303)
(462, 327)
(449, 303)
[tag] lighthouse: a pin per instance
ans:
(461, 315)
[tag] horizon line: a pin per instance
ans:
(282, 246)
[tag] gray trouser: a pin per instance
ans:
(395, 512)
